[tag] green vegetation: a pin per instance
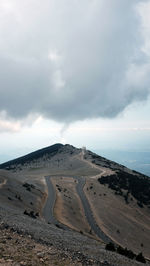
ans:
(18, 197)
(110, 246)
(136, 185)
(10, 198)
(140, 258)
(125, 252)
(28, 186)
(31, 214)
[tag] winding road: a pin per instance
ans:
(88, 211)
(49, 207)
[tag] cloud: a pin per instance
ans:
(72, 60)
(8, 126)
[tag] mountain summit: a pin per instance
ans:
(76, 189)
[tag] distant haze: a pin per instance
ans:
(139, 161)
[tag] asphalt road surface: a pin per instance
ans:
(88, 211)
(49, 207)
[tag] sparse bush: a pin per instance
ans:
(28, 186)
(90, 232)
(126, 252)
(25, 212)
(126, 197)
(57, 225)
(130, 254)
(140, 204)
(18, 197)
(120, 250)
(31, 214)
(140, 258)
(9, 198)
(110, 247)
(137, 185)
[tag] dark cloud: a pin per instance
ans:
(71, 60)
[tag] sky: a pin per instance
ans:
(74, 72)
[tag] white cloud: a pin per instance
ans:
(7, 126)
(72, 60)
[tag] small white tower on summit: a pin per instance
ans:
(83, 150)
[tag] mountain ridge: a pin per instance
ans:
(81, 184)
(32, 155)
(52, 150)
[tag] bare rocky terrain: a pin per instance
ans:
(116, 206)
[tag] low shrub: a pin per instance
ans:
(126, 252)
(140, 258)
(110, 246)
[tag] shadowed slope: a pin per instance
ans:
(51, 150)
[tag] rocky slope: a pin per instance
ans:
(118, 199)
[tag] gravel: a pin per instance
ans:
(70, 243)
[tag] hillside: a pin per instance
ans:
(76, 194)
(31, 157)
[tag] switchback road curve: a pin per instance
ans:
(49, 207)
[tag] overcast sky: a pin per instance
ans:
(75, 72)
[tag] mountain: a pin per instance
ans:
(85, 196)
(32, 156)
